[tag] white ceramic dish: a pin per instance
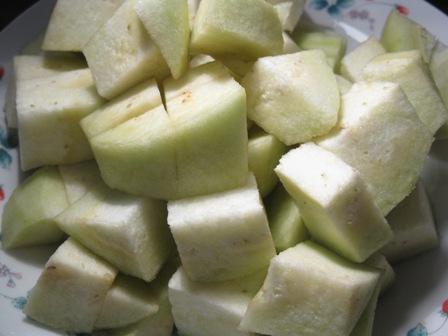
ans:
(417, 305)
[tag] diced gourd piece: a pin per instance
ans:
(407, 69)
(28, 217)
(354, 62)
(294, 97)
(36, 66)
(337, 208)
(129, 300)
(310, 291)
(121, 54)
(200, 59)
(343, 84)
(364, 326)
(79, 178)
(73, 23)
(400, 33)
(129, 232)
(248, 28)
(289, 12)
(167, 23)
(265, 151)
(413, 225)
(198, 147)
(71, 289)
(49, 110)
(134, 102)
(193, 6)
(238, 67)
(332, 44)
(285, 221)
(378, 127)
(439, 72)
(289, 46)
(195, 77)
(222, 236)
(203, 309)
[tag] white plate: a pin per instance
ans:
(417, 304)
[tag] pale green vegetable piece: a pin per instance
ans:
(79, 178)
(289, 46)
(129, 300)
(203, 309)
(289, 12)
(200, 59)
(49, 110)
(407, 69)
(193, 6)
(134, 102)
(354, 62)
(73, 23)
(179, 153)
(129, 232)
(343, 84)
(167, 23)
(121, 54)
(413, 225)
(336, 206)
(294, 97)
(28, 217)
(332, 44)
(310, 291)
(439, 72)
(285, 221)
(71, 289)
(222, 236)
(248, 28)
(379, 126)
(265, 151)
(400, 33)
(238, 67)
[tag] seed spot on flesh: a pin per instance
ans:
(186, 96)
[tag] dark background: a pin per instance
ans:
(12, 8)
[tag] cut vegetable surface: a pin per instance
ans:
(204, 309)
(310, 291)
(28, 217)
(294, 97)
(70, 292)
(129, 232)
(73, 23)
(337, 208)
(289, 12)
(222, 236)
(388, 161)
(248, 28)
(167, 23)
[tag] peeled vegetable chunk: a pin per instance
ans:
(36, 66)
(438, 67)
(354, 62)
(400, 33)
(332, 44)
(28, 217)
(198, 147)
(73, 23)
(131, 104)
(193, 6)
(337, 208)
(289, 46)
(413, 225)
(343, 84)
(378, 127)
(71, 289)
(407, 69)
(79, 178)
(167, 23)
(222, 236)
(204, 309)
(129, 232)
(294, 97)
(264, 153)
(129, 300)
(200, 59)
(310, 291)
(289, 12)
(121, 54)
(248, 28)
(285, 221)
(49, 110)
